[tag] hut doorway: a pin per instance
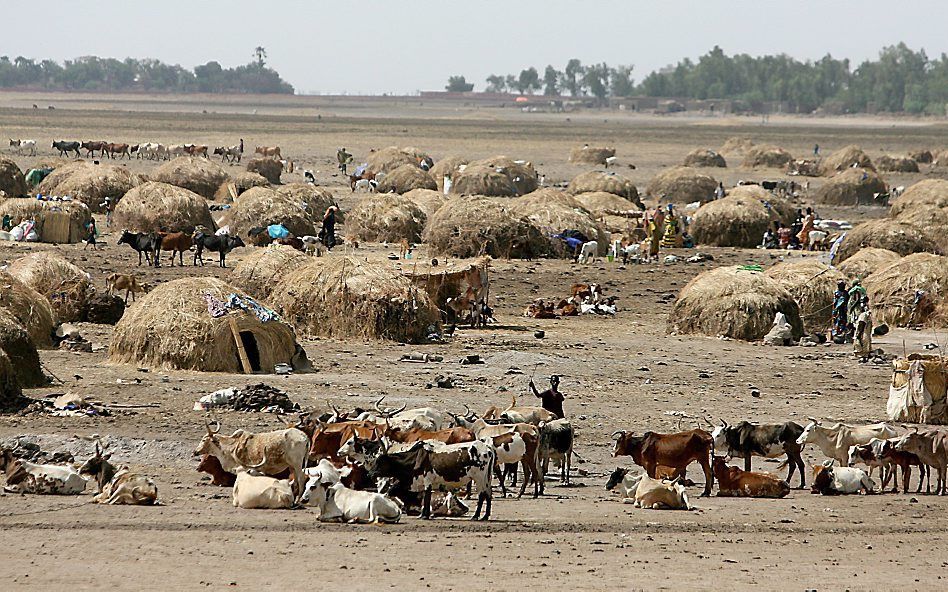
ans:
(250, 347)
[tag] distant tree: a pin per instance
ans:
(512, 82)
(496, 84)
(571, 77)
(551, 81)
(529, 81)
(260, 54)
(622, 85)
(459, 84)
(596, 79)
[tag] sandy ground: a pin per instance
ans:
(619, 373)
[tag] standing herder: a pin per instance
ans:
(552, 398)
(840, 330)
(90, 238)
(858, 301)
(327, 234)
(862, 343)
(719, 191)
(671, 238)
(806, 226)
(343, 158)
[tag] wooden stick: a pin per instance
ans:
(244, 360)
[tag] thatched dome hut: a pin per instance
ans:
(386, 217)
(261, 206)
(736, 145)
(90, 183)
(766, 157)
(11, 394)
(591, 154)
(67, 287)
(242, 182)
(851, 187)
(893, 235)
(12, 182)
(30, 309)
(921, 156)
(446, 167)
(866, 261)
(893, 289)
(593, 181)
(390, 158)
(268, 168)
(476, 226)
(258, 272)
(346, 297)
(428, 201)
(157, 206)
(846, 157)
(171, 328)
(601, 202)
(704, 157)
(683, 185)
(316, 200)
(812, 284)
(497, 176)
(925, 205)
(200, 175)
(733, 302)
(15, 342)
(554, 211)
(780, 207)
(404, 179)
(897, 164)
(56, 221)
(732, 221)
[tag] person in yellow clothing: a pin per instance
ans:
(672, 236)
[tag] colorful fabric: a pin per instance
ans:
(218, 308)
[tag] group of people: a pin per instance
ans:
(794, 237)
(664, 228)
(852, 321)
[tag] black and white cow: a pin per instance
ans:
(767, 440)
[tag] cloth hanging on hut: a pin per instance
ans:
(218, 308)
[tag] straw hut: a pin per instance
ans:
(258, 272)
(736, 145)
(11, 394)
(476, 226)
(390, 158)
(766, 157)
(452, 285)
(157, 206)
(446, 167)
(703, 157)
(261, 206)
(603, 202)
(591, 155)
(921, 156)
(813, 285)
(428, 201)
(24, 360)
(268, 168)
(406, 178)
(894, 290)
(733, 221)
(200, 175)
(866, 261)
(346, 297)
(851, 187)
(846, 157)
(897, 164)
(30, 309)
(925, 205)
(172, 328)
(56, 221)
(682, 185)
(316, 200)
(733, 302)
(229, 191)
(554, 211)
(12, 182)
(386, 217)
(497, 176)
(67, 287)
(595, 181)
(90, 183)
(893, 235)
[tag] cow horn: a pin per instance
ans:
(379, 402)
(813, 419)
(208, 427)
(334, 410)
(260, 464)
(218, 428)
(617, 434)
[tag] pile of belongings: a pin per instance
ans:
(24, 231)
(253, 397)
(67, 405)
(584, 299)
(781, 333)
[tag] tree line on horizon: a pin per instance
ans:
(900, 80)
(93, 73)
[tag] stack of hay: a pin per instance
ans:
(66, 287)
(813, 285)
(866, 261)
(386, 217)
(348, 298)
(388, 159)
(736, 145)
(157, 206)
(90, 183)
(12, 182)
(703, 157)
(591, 155)
(56, 221)
(925, 205)
(767, 156)
(605, 181)
(261, 207)
(844, 158)
(476, 226)
(897, 164)
(406, 178)
(732, 302)
(446, 167)
(852, 187)
(554, 211)
(268, 168)
(899, 237)
(428, 201)
(682, 185)
(894, 290)
(495, 177)
(258, 272)
(172, 328)
(200, 175)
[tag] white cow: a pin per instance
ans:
(258, 491)
(27, 477)
(836, 440)
(830, 480)
(655, 494)
(24, 145)
(338, 503)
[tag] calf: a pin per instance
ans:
(121, 281)
(177, 243)
(932, 449)
(512, 448)
(676, 451)
(733, 482)
(626, 483)
(768, 441)
(212, 466)
(835, 441)
(222, 245)
(147, 244)
(905, 461)
(830, 480)
(338, 503)
(118, 486)
(261, 492)
(556, 444)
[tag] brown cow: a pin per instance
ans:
(733, 482)
(273, 151)
(177, 243)
(905, 461)
(445, 436)
(195, 150)
(121, 149)
(328, 438)
(212, 466)
(92, 147)
(671, 450)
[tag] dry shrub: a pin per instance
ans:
(316, 200)
(200, 175)
(732, 221)
(406, 178)
(12, 182)
(15, 342)
(343, 297)
(258, 272)
(67, 287)
(733, 302)
(921, 156)
(446, 167)
(428, 201)
(845, 158)
(159, 206)
(30, 309)
(851, 187)
(866, 261)
(893, 235)
(475, 226)
(766, 156)
(703, 157)
(594, 181)
(50, 218)
(683, 185)
(892, 290)
(268, 168)
(736, 145)
(897, 164)
(90, 183)
(386, 217)
(554, 211)
(812, 284)
(261, 206)
(497, 176)
(389, 159)
(591, 154)
(171, 328)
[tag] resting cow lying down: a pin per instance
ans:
(830, 480)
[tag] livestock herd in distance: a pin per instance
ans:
(144, 151)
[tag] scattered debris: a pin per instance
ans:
(471, 359)
(700, 258)
(421, 358)
(253, 397)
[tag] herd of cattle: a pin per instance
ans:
(145, 150)
(374, 465)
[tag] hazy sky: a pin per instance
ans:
(374, 46)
